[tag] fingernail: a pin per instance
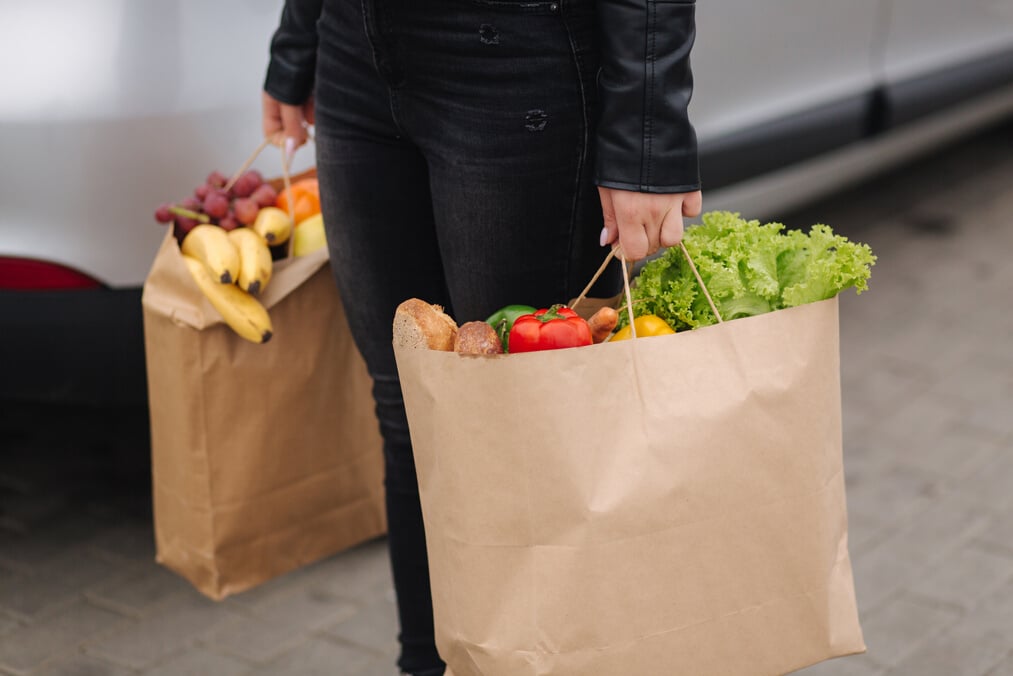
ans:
(289, 148)
(603, 239)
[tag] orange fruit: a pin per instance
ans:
(305, 199)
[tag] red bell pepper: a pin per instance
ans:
(549, 329)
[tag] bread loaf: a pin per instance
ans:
(477, 338)
(418, 324)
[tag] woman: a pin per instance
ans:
(478, 153)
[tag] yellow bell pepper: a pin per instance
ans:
(647, 326)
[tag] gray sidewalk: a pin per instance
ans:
(928, 396)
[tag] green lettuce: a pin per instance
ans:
(749, 268)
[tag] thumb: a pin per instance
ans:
(610, 232)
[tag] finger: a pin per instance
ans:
(692, 204)
(671, 229)
(270, 115)
(310, 111)
(632, 234)
(608, 212)
(653, 231)
(293, 123)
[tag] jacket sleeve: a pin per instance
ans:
(644, 140)
(290, 71)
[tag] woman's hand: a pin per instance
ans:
(644, 222)
(286, 126)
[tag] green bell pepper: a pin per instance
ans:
(503, 320)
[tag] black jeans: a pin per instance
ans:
(453, 157)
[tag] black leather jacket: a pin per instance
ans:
(644, 140)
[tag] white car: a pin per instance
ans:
(110, 108)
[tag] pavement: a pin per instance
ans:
(928, 397)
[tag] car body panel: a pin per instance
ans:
(925, 36)
(754, 62)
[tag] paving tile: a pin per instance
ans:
(992, 484)
(199, 662)
(866, 452)
(999, 533)
(885, 568)
(881, 312)
(38, 547)
(865, 532)
(936, 345)
(255, 639)
(852, 665)
(949, 521)
(985, 375)
(882, 386)
(28, 509)
(135, 590)
(993, 414)
(31, 645)
(177, 625)
(1004, 668)
(8, 624)
(309, 607)
(360, 573)
(81, 665)
(379, 667)
(274, 588)
(54, 584)
(958, 652)
(963, 577)
(375, 627)
(892, 492)
(319, 657)
(953, 452)
(133, 541)
(993, 614)
(902, 626)
(919, 421)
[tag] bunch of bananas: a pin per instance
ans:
(232, 267)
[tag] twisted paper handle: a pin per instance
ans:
(286, 177)
(626, 285)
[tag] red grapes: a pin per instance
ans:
(162, 213)
(211, 203)
(265, 195)
(216, 205)
(246, 210)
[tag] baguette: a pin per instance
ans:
(418, 325)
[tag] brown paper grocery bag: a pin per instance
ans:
(659, 506)
(264, 457)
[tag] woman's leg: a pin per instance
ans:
(371, 195)
(504, 140)
(380, 231)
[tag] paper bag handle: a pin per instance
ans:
(626, 285)
(285, 175)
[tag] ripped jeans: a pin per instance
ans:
(453, 155)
